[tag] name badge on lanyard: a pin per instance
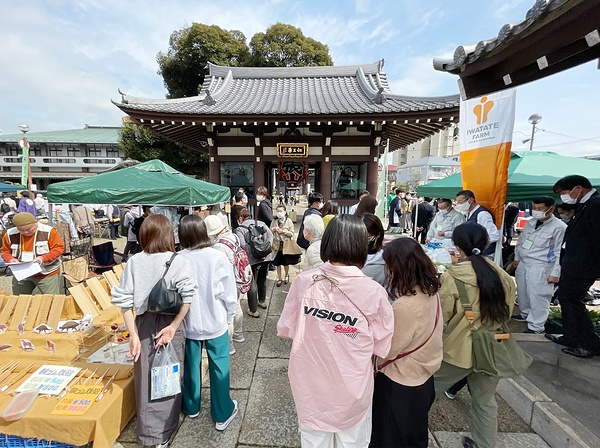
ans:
(27, 256)
(528, 243)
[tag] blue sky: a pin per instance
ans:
(62, 61)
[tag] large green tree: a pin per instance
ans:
(286, 46)
(185, 63)
(143, 144)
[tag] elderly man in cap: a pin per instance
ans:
(30, 240)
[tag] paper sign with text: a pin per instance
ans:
(50, 380)
(78, 400)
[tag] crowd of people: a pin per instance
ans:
(375, 330)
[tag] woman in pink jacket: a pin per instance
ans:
(337, 318)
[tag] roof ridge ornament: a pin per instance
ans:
(207, 100)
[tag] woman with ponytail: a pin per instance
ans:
(491, 293)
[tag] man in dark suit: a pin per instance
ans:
(580, 266)
(425, 213)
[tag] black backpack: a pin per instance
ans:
(258, 240)
(137, 223)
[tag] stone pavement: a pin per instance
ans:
(267, 416)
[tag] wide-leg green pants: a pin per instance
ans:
(221, 405)
(484, 409)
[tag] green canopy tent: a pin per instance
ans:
(11, 188)
(152, 183)
(530, 174)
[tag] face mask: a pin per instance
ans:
(260, 198)
(567, 199)
(464, 207)
(565, 218)
(320, 206)
(536, 214)
(281, 215)
(444, 211)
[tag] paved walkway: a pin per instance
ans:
(267, 416)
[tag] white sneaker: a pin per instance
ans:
(223, 425)
(194, 415)
(239, 338)
(231, 350)
(163, 445)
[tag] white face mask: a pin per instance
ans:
(567, 199)
(260, 197)
(464, 207)
(281, 215)
(444, 211)
(537, 214)
(320, 206)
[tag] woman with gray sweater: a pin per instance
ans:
(375, 266)
(157, 420)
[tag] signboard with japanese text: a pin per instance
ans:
(295, 150)
(49, 379)
(486, 128)
(78, 400)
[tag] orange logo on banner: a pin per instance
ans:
(482, 110)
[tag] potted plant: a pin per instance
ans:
(554, 322)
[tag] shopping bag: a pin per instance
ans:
(165, 378)
(291, 248)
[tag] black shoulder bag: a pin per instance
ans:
(163, 300)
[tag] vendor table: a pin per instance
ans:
(105, 419)
(102, 424)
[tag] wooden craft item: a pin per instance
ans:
(17, 377)
(2, 298)
(58, 302)
(99, 293)
(104, 284)
(118, 269)
(36, 303)
(20, 312)
(72, 383)
(44, 311)
(8, 308)
(111, 278)
(7, 366)
(84, 300)
(8, 371)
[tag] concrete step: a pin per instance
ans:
(562, 370)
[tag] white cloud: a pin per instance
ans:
(62, 61)
(503, 9)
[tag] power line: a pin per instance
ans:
(569, 136)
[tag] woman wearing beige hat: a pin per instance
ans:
(227, 242)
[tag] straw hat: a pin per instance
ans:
(214, 225)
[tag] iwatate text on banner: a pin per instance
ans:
(486, 127)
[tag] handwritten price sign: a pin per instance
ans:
(78, 400)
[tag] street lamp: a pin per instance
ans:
(533, 119)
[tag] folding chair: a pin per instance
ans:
(103, 257)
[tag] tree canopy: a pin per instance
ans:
(143, 144)
(185, 64)
(285, 46)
